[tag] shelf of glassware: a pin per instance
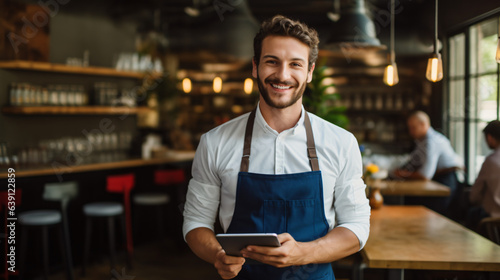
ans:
(75, 110)
(62, 68)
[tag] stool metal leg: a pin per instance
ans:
(66, 253)
(124, 234)
(45, 251)
(111, 235)
(67, 244)
(86, 246)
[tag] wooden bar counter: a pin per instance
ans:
(414, 237)
(411, 188)
(173, 157)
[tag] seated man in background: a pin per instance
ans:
(433, 158)
(485, 192)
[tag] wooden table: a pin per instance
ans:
(414, 237)
(173, 157)
(411, 188)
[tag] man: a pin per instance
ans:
(255, 171)
(486, 190)
(433, 158)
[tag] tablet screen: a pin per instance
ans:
(233, 243)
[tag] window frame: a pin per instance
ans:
(467, 77)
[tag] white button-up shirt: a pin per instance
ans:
(217, 163)
(433, 152)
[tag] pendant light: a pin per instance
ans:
(434, 71)
(497, 57)
(498, 51)
(354, 27)
(217, 84)
(391, 71)
(186, 85)
(248, 86)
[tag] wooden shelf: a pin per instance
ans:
(62, 68)
(77, 110)
(172, 158)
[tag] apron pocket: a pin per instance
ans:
(274, 216)
(300, 217)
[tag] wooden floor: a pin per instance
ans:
(162, 260)
(158, 260)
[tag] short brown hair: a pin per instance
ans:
(283, 26)
(493, 129)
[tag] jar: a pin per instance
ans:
(376, 199)
(14, 95)
(53, 95)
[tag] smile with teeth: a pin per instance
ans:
(280, 87)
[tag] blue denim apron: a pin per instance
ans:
(290, 203)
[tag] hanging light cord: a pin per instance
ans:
(393, 59)
(436, 29)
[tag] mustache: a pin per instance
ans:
(277, 81)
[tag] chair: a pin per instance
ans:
(44, 219)
(110, 211)
(490, 227)
(159, 199)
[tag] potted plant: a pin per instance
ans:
(321, 103)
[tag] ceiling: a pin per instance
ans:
(198, 37)
(414, 24)
(314, 12)
(172, 16)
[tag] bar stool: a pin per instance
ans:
(110, 211)
(63, 193)
(159, 199)
(4, 205)
(44, 219)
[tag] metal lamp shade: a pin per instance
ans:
(354, 27)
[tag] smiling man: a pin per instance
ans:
(279, 169)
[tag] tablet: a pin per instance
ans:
(233, 243)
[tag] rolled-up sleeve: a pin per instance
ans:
(477, 190)
(351, 205)
(203, 195)
(431, 152)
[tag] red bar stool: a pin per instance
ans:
(4, 206)
(110, 211)
(158, 200)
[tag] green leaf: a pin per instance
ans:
(319, 102)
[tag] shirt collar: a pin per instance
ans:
(259, 119)
(430, 133)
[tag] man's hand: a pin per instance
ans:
(290, 253)
(228, 266)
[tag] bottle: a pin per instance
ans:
(14, 94)
(39, 96)
(62, 95)
(85, 96)
(32, 95)
(53, 96)
(45, 96)
(25, 95)
(71, 92)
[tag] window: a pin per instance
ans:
(473, 91)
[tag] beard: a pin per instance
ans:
(297, 94)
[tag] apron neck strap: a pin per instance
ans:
(311, 146)
(245, 160)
